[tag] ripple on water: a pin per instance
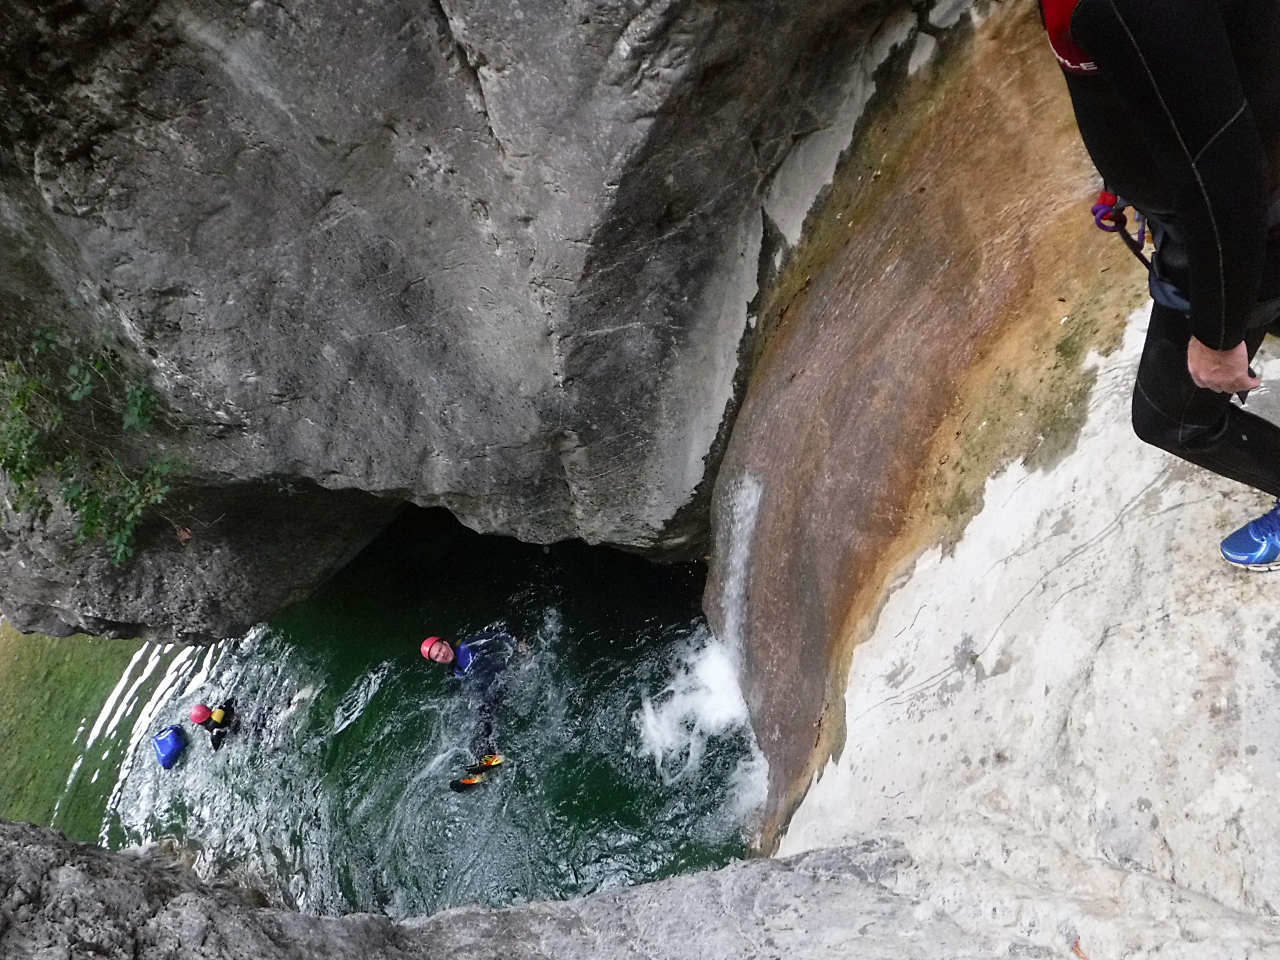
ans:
(630, 755)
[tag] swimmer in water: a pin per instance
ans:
(477, 661)
(218, 721)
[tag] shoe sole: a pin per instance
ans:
(1256, 567)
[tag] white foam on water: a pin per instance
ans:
(297, 701)
(242, 802)
(212, 657)
(127, 702)
(235, 669)
(552, 625)
(115, 706)
(176, 672)
(702, 700)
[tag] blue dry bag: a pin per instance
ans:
(169, 744)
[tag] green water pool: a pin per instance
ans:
(629, 758)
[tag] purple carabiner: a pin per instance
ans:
(1102, 212)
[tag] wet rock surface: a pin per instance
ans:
(963, 222)
(486, 256)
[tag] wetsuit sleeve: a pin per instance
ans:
(1173, 62)
(491, 643)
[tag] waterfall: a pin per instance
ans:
(744, 507)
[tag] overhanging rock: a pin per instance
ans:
(474, 255)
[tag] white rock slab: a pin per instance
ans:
(1074, 720)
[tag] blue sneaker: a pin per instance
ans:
(1256, 545)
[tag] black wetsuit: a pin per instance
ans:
(218, 731)
(1179, 107)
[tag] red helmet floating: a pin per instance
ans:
(427, 644)
(200, 713)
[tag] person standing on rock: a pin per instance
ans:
(1178, 103)
(477, 661)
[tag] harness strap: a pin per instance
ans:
(1108, 214)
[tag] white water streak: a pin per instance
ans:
(75, 768)
(176, 672)
(744, 508)
(212, 659)
(110, 705)
(126, 702)
(356, 699)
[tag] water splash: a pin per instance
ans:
(704, 701)
(701, 701)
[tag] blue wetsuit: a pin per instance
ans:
(479, 659)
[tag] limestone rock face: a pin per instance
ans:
(1078, 704)
(867, 898)
(492, 256)
(212, 560)
(56, 896)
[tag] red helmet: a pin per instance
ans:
(200, 713)
(427, 644)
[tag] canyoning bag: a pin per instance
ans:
(169, 744)
(1109, 210)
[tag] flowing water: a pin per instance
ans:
(629, 757)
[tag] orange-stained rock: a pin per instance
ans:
(914, 350)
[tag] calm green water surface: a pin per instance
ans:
(628, 754)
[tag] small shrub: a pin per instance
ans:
(46, 390)
(108, 503)
(139, 407)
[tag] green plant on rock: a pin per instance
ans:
(58, 404)
(139, 407)
(29, 421)
(108, 502)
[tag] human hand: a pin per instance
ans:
(1224, 371)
